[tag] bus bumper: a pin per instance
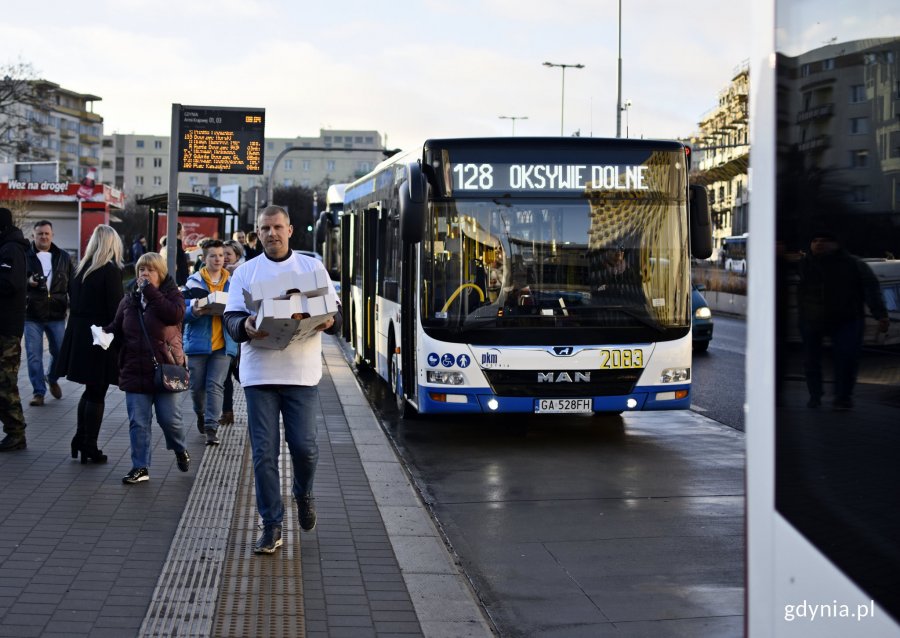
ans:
(482, 400)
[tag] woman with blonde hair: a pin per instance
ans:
(94, 294)
(147, 327)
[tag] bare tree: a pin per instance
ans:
(19, 206)
(22, 94)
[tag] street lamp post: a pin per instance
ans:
(625, 108)
(513, 118)
(619, 74)
(562, 115)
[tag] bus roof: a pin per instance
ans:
(335, 194)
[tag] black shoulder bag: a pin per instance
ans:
(167, 377)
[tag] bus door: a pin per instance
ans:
(369, 268)
(409, 320)
(347, 239)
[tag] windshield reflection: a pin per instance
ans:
(498, 264)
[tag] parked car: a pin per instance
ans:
(701, 319)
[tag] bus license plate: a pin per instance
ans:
(562, 406)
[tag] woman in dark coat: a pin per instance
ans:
(94, 295)
(159, 302)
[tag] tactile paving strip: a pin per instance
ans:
(261, 595)
(184, 600)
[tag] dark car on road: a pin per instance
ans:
(701, 319)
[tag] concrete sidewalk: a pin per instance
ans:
(81, 554)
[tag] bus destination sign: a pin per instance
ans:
(221, 140)
(548, 177)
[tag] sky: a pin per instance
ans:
(410, 70)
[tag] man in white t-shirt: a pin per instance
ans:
(277, 382)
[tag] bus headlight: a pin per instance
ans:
(445, 378)
(703, 313)
(675, 375)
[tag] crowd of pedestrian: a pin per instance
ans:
(100, 333)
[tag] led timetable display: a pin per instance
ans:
(221, 140)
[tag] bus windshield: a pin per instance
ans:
(616, 262)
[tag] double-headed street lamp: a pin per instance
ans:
(513, 118)
(562, 115)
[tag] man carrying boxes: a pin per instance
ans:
(279, 304)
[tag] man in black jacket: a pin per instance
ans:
(834, 289)
(12, 325)
(48, 271)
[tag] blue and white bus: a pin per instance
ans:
(539, 275)
(327, 238)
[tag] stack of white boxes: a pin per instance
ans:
(215, 301)
(276, 301)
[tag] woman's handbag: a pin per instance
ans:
(167, 377)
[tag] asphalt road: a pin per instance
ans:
(586, 526)
(718, 374)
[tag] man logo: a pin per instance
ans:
(563, 377)
(563, 351)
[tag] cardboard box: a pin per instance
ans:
(276, 318)
(309, 283)
(215, 302)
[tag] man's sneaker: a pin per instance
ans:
(37, 399)
(12, 442)
(212, 437)
(306, 510)
(55, 390)
(269, 541)
(136, 475)
(184, 460)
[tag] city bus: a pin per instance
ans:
(537, 275)
(733, 254)
(327, 232)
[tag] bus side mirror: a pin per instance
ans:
(701, 227)
(412, 205)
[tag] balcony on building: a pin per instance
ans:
(816, 112)
(87, 160)
(818, 143)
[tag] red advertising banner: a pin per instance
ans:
(193, 229)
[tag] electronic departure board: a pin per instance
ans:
(221, 139)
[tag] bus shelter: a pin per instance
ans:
(200, 216)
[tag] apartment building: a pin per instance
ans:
(61, 131)
(139, 164)
(839, 109)
(721, 154)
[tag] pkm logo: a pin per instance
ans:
(488, 359)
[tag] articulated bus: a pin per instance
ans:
(539, 275)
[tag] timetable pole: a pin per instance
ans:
(172, 213)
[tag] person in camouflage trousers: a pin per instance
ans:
(12, 326)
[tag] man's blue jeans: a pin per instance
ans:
(34, 350)
(208, 372)
(140, 412)
(297, 405)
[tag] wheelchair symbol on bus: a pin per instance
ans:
(447, 360)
